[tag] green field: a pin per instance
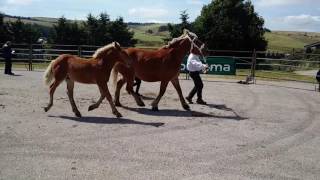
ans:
(284, 41)
(241, 73)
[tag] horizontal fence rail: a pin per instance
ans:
(30, 54)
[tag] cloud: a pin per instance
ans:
(20, 2)
(148, 12)
(301, 22)
(195, 2)
(268, 3)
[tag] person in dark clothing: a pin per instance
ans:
(195, 66)
(7, 53)
(318, 78)
(138, 84)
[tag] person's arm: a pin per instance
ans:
(196, 65)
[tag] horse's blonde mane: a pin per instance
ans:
(183, 36)
(103, 49)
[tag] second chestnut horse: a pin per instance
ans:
(157, 65)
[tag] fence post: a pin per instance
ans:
(30, 58)
(253, 66)
(79, 51)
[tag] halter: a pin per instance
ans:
(193, 44)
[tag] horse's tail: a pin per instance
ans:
(114, 75)
(48, 74)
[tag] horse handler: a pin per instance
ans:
(7, 55)
(195, 66)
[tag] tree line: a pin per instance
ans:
(222, 24)
(226, 25)
(94, 31)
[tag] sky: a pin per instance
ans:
(286, 15)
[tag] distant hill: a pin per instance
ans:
(152, 34)
(286, 41)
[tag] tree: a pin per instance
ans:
(120, 32)
(5, 35)
(103, 35)
(91, 26)
(231, 24)
(60, 31)
(94, 31)
(66, 32)
(177, 29)
(23, 33)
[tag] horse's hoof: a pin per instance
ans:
(46, 109)
(141, 104)
(186, 107)
(155, 109)
(78, 114)
(91, 108)
(118, 114)
(118, 104)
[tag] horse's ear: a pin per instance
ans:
(116, 45)
(185, 31)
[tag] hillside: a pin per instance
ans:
(149, 35)
(286, 41)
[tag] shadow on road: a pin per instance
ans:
(183, 113)
(287, 87)
(105, 120)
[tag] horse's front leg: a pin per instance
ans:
(163, 87)
(176, 85)
(70, 86)
(106, 93)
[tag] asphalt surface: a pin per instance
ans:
(265, 131)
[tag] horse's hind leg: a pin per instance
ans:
(53, 88)
(97, 104)
(120, 83)
(70, 86)
(106, 93)
(163, 87)
(135, 95)
(176, 84)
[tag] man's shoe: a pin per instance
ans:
(200, 101)
(11, 74)
(189, 100)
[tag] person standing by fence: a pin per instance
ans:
(7, 53)
(318, 78)
(195, 66)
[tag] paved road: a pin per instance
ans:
(264, 131)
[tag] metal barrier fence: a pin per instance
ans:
(31, 54)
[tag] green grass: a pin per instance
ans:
(240, 75)
(283, 41)
(277, 75)
(146, 39)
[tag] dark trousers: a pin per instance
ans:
(137, 83)
(198, 85)
(8, 66)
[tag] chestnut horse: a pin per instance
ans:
(90, 71)
(158, 65)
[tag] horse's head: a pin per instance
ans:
(123, 57)
(197, 46)
(113, 53)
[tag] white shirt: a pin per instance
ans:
(194, 63)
